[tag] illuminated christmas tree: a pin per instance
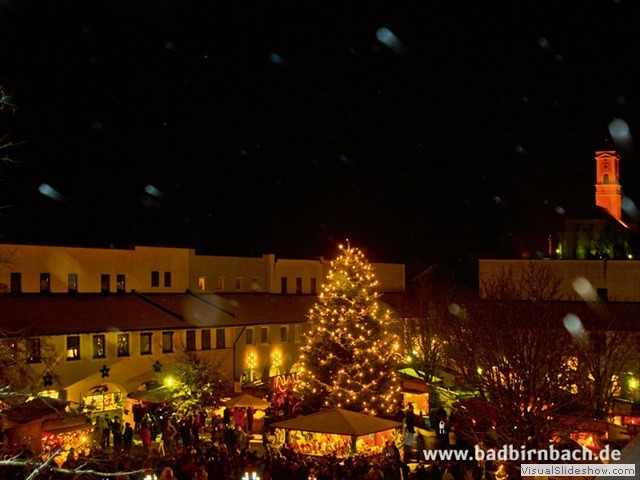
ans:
(349, 360)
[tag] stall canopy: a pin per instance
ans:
(247, 401)
(338, 421)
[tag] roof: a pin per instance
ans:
(58, 314)
(338, 421)
(35, 409)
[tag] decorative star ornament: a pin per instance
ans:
(104, 371)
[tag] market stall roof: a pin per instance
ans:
(338, 421)
(246, 400)
(35, 409)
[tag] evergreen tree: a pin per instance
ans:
(197, 384)
(350, 357)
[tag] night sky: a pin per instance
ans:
(421, 131)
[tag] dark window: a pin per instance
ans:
(167, 342)
(283, 334)
(99, 346)
(45, 282)
(603, 294)
(191, 340)
(249, 336)
(16, 282)
(73, 348)
(145, 343)
(72, 281)
(105, 283)
(220, 338)
(239, 283)
(205, 339)
(123, 344)
(298, 285)
(314, 286)
(155, 279)
(283, 285)
(33, 350)
(120, 283)
(264, 334)
(167, 279)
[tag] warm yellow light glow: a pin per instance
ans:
(169, 381)
(634, 383)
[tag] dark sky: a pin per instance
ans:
(419, 130)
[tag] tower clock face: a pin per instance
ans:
(605, 166)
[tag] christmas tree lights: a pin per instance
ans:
(350, 357)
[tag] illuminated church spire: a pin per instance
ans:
(608, 189)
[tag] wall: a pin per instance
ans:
(620, 278)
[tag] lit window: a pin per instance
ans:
(123, 344)
(120, 283)
(73, 348)
(99, 349)
(202, 283)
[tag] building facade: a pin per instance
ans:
(115, 318)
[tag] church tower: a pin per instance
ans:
(608, 190)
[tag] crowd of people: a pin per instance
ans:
(218, 447)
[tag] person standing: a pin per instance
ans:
(145, 437)
(409, 422)
(106, 432)
(98, 428)
(250, 412)
(116, 428)
(169, 433)
(127, 438)
(195, 429)
(137, 416)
